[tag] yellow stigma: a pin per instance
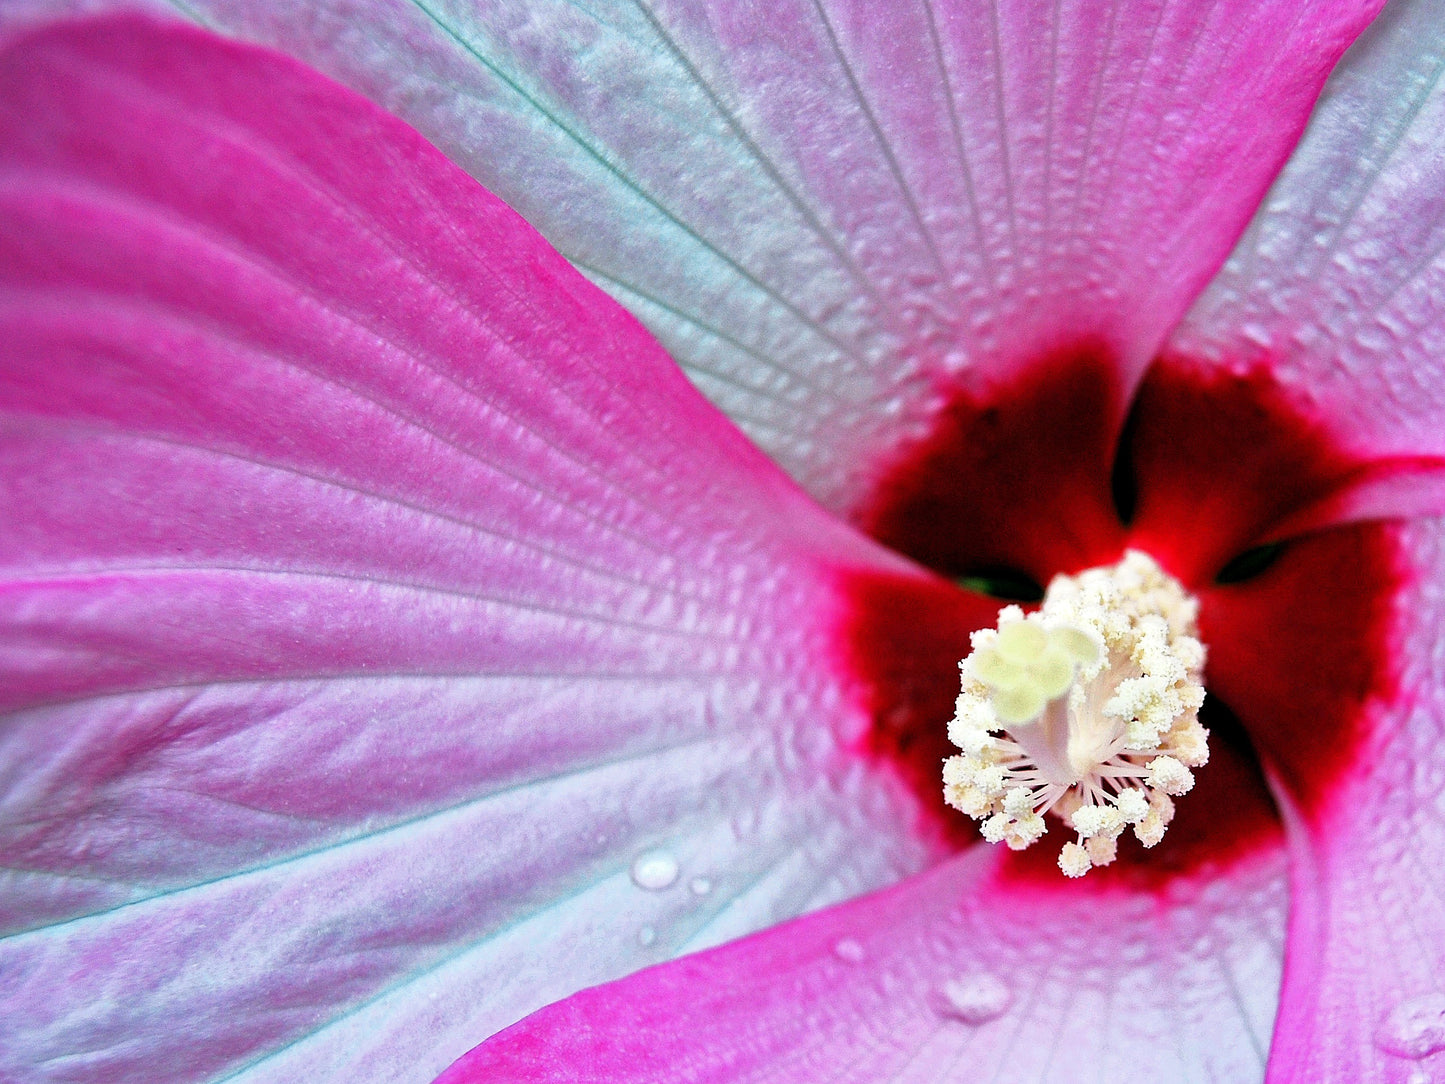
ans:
(1087, 709)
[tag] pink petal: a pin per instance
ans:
(1339, 285)
(1326, 656)
(373, 591)
(960, 974)
(842, 215)
(1364, 987)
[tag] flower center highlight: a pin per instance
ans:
(1087, 709)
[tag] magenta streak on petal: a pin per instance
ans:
(1339, 280)
(588, 1024)
(957, 974)
(837, 216)
(853, 994)
(1365, 975)
(372, 590)
(1201, 272)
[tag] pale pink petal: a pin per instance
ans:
(1338, 287)
(373, 592)
(961, 974)
(1364, 988)
(844, 214)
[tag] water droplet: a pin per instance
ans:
(1414, 1028)
(700, 886)
(646, 936)
(1419, 1076)
(849, 951)
(654, 870)
(973, 999)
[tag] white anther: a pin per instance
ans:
(1093, 820)
(1132, 804)
(1168, 775)
(1018, 834)
(1074, 860)
(1189, 745)
(959, 772)
(994, 828)
(1085, 710)
(1018, 803)
(990, 780)
(1150, 830)
(1102, 849)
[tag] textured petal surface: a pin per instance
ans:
(840, 215)
(1364, 992)
(373, 591)
(962, 974)
(1338, 287)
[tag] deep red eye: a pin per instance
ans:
(1026, 481)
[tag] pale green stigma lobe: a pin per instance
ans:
(1086, 710)
(1028, 665)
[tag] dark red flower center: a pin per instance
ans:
(1045, 475)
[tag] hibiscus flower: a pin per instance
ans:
(396, 643)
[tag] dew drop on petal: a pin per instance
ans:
(973, 999)
(646, 936)
(700, 886)
(1415, 1028)
(849, 951)
(654, 870)
(1419, 1076)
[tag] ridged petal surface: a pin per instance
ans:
(836, 214)
(1338, 287)
(959, 975)
(1364, 991)
(373, 592)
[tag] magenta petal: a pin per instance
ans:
(956, 975)
(1338, 287)
(373, 592)
(839, 215)
(1364, 988)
